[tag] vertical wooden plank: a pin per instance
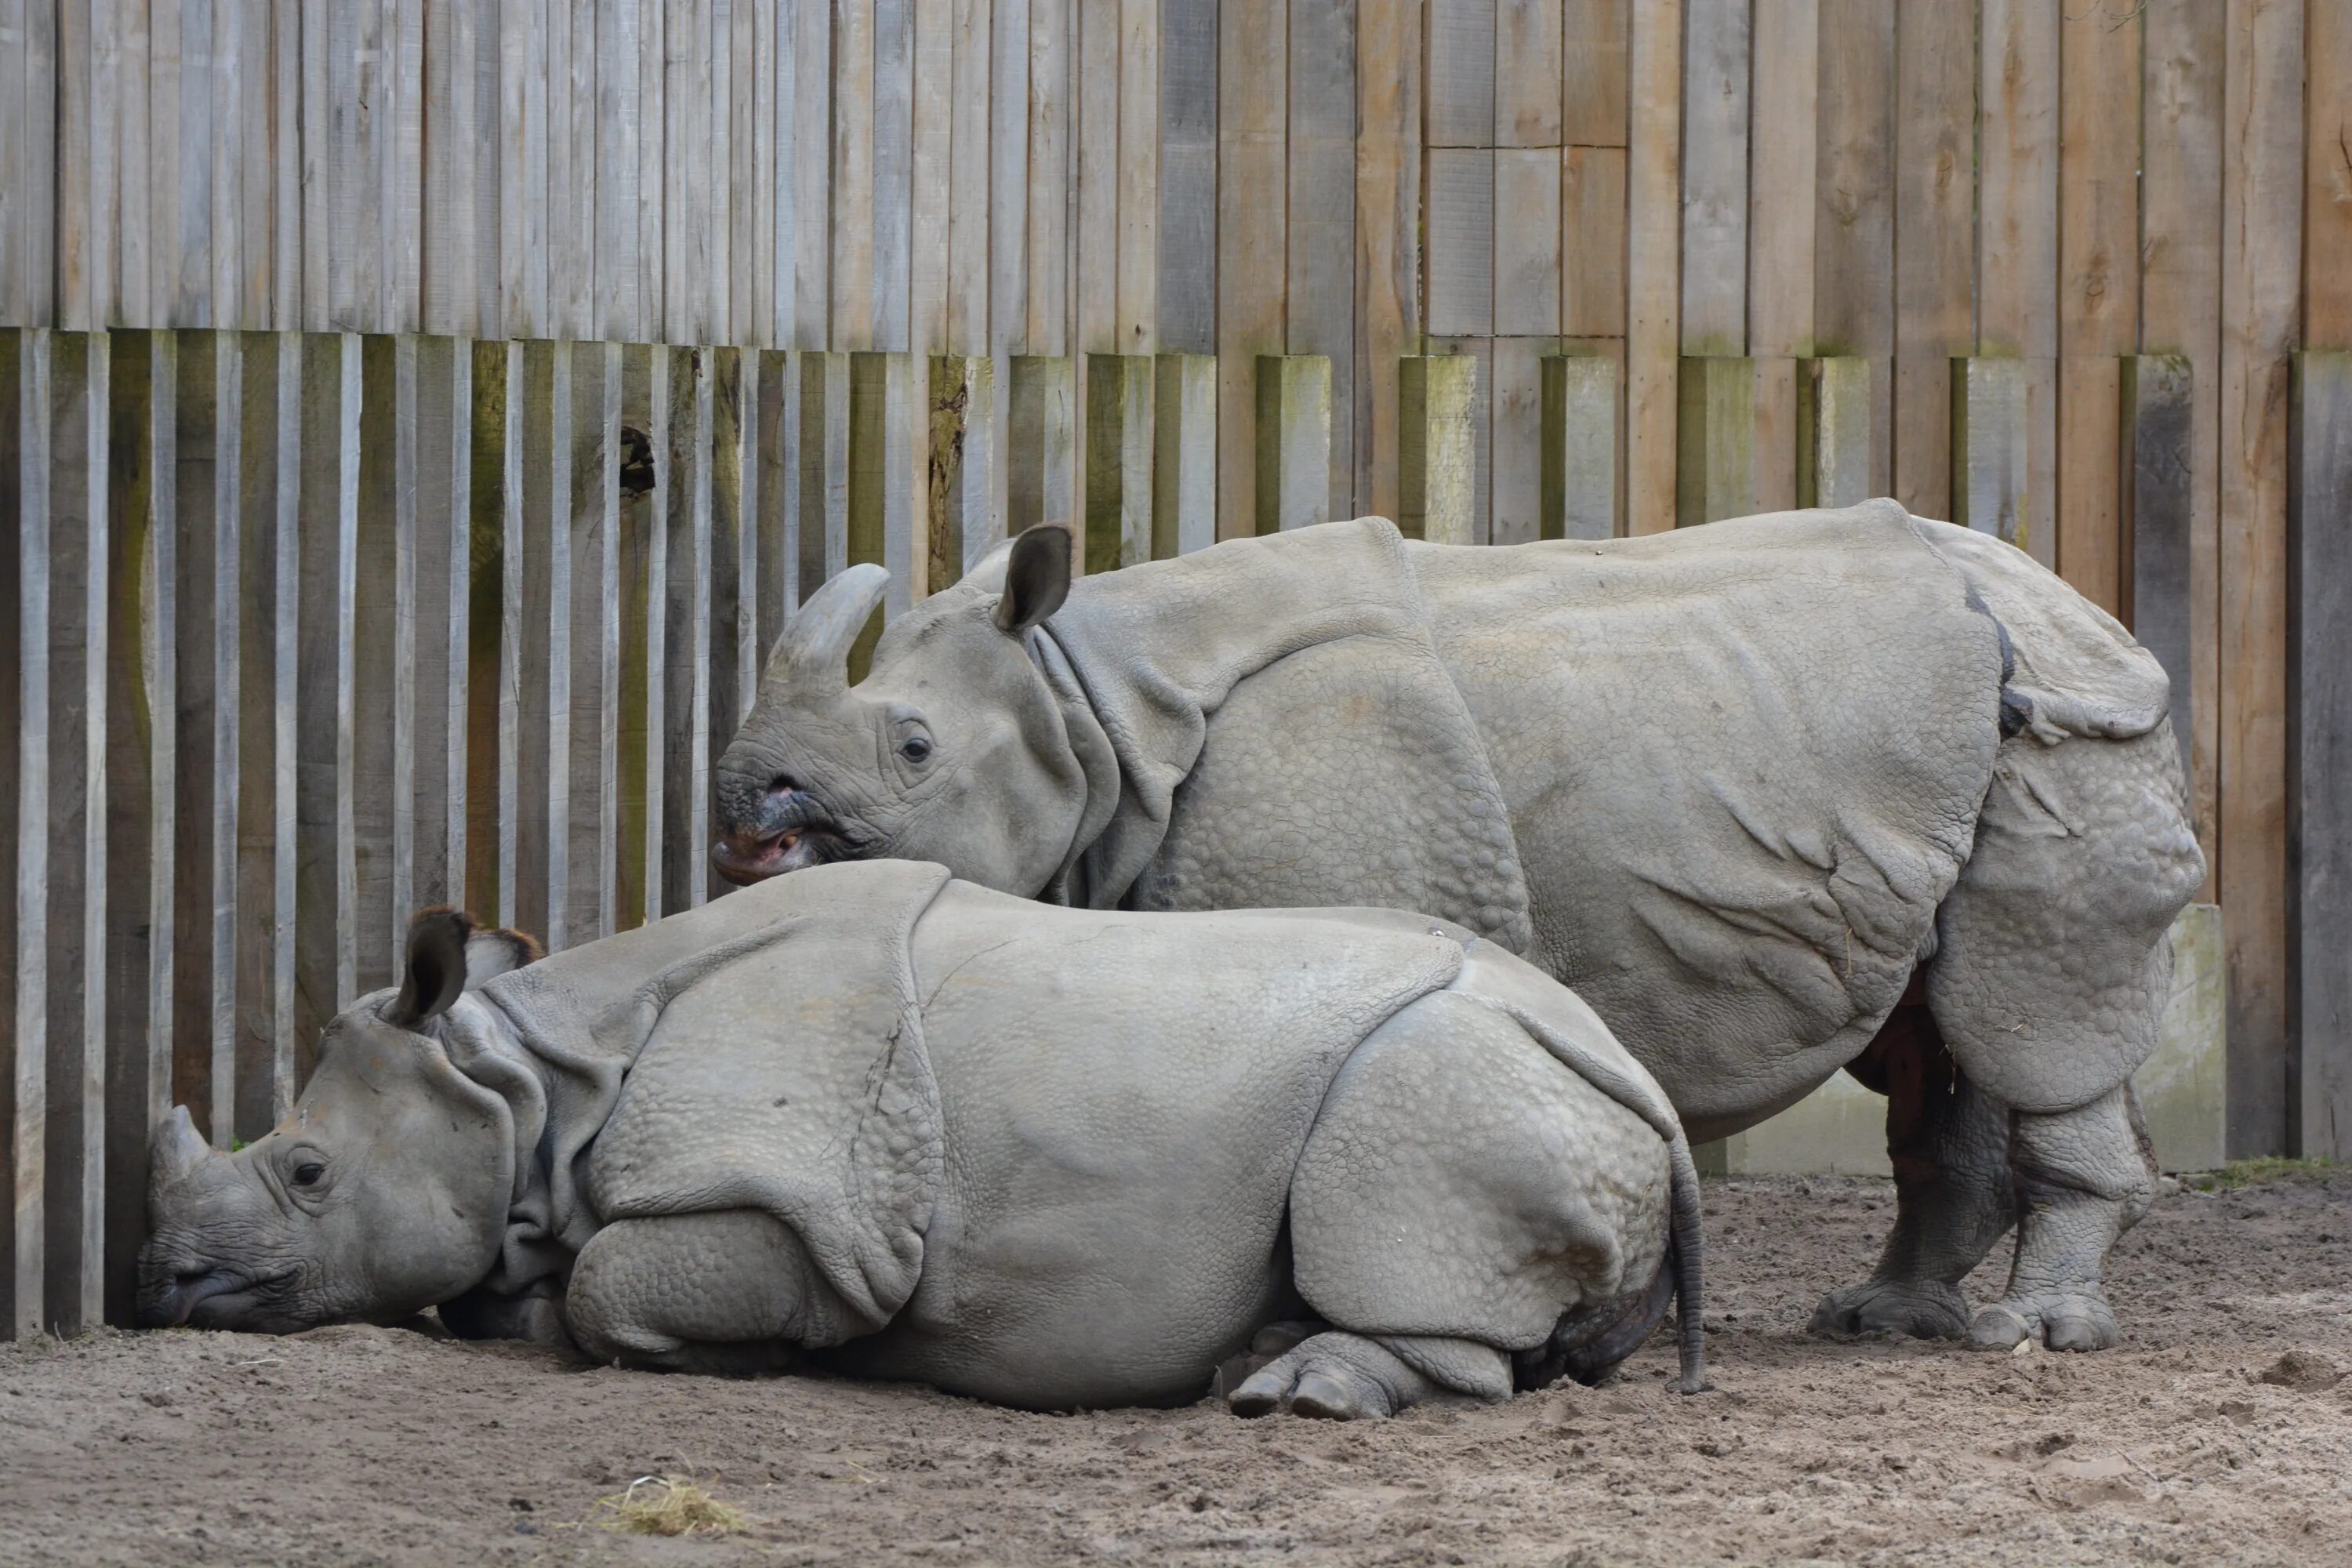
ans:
(934, 164)
(1100, 163)
(1388, 237)
(1592, 259)
(1482, 432)
(2328, 172)
(2262, 212)
(635, 756)
(2180, 306)
(661, 393)
(748, 500)
(198, 94)
(1008, 175)
(1042, 417)
(1833, 444)
(536, 560)
(1781, 211)
(1717, 424)
(1294, 441)
(882, 471)
(133, 226)
(1183, 454)
(14, 555)
(969, 167)
(164, 70)
(449, 281)
(1461, 91)
(1578, 436)
(1049, 189)
(75, 235)
(383, 747)
(604, 628)
(1853, 310)
(824, 468)
(1461, 241)
(227, 607)
(1935, 220)
(2319, 1085)
(1188, 247)
(401, 148)
(513, 400)
(2004, 476)
(1437, 448)
(256, 170)
(962, 443)
(2017, 237)
(1528, 288)
(811, 167)
(1119, 389)
(618, 125)
(227, 246)
(735, 149)
(316, 214)
(286, 573)
(285, 166)
(31, 433)
(329, 437)
(2157, 467)
(1714, 177)
(1528, 73)
(370, 111)
(250, 557)
(2090, 522)
(581, 642)
(894, 171)
(1137, 178)
(1652, 329)
(443, 580)
(686, 812)
(1515, 413)
(1320, 317)
(732, 572)
(1595, 55)
(653, 154)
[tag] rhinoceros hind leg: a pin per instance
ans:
(1949, 1143)
(713, 1293)
(1341, 1376)
(2087, 1177)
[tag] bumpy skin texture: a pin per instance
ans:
(1752, 780)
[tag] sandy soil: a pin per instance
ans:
(2221, 1433)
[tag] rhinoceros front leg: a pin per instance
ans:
(1341, 1376)
(718, 1293)
(1949, 1143)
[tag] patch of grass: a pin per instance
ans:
(669, 1505)
(2260, 1172)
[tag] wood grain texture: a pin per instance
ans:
(2158, 473)
(1294, 441)
(1593, 252)
(1461, 226)
(1008, 175)
(1833, 444)
(1514, 415)
(14, 941)
(2261, 248)
(2319, 1070)
(1136, 308)
(2327, 173)
(894, 171)
(969, 165)
(29, 433)
(1049, 186)
(962, 445)
(2017, 231)
(1855, 265)
(1119, 389)
(1461, 73)
(2004, 466)
(1042, 419)
(1716, 427)
(1319, 315)
(1436, 484)
(1782, 210)
(1184, 455)
(928, 223)
(1387, 278)
(2090, 520)
(1716, 70)
(1101, 162)
(823, 467)
(1577, 419)
(1654, 211)
(1596, 45)
(854, 192)
(1253, 112)
(812, 172)
(1188, 251)
(1481, 352)
(1528, 242)
(1934, 226)
(1528, 97)
(2180, 312)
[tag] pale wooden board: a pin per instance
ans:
(513, 404)
(197, 95)
(1578, 414)
(1481, 395)
(1854, 249)
(653, 149)
(1935, 280)
(1528, 242)
(1716, 426)
(619, 126)
(1041, 419)
(552, 538)
(767, 190)
(1184, 455)
(2158, 469)
(1528, 73)
(2090, 521)
(227, 615)
(89, 448)
(1437, 448)
(1049, 189)
(2017, 181)
(1460, 228)
(29, 433)
(689, 248)
(1188, 251)
(1596, 45)
(879, 495)
(1516, 410)
(1136, 307)
(162, 209)
(2319, 1089)
(811, 168)
(2261, 250)
(1388, 235)
(515, 315)
(737, 151)
(1652, 332)
(635, 779)
(1253, 110)
(445, 410)
(226, 125)
(401, 149)
(76, 237)
(1990, 484)
(1461, 73)
(2327, 173)
(823, 467)
(1008, 175)
(1294, 441)
(894, 171)
(969, 168)
(133, 224)
(732, 568)
(934, 163)
(1321, 204)
(450, 138)
(1097, 152)
(1715, 66)
(1592, 250)
(2180, 312)
(778, 511)
(1834, 442)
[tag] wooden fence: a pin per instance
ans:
(417, 415)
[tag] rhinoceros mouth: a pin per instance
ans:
(207, 1297)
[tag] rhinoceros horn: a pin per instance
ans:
(812, 659)
(174, 1151)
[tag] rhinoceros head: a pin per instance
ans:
(382, 1192)
(952, 749)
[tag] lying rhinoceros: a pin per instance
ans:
(914, 1128)
(1743, 786)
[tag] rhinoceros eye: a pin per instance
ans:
(308, 1173)
(916, 749)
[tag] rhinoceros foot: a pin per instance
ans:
(2062, 1321)
(1340, 1376)
(1921, 1309)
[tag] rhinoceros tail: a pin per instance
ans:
(1684, 1252)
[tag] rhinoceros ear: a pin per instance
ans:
(436, 968)
(490, 953)
(813, 655)
(1036, 578)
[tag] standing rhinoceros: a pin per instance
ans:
(1741, 786)
(916, 1128)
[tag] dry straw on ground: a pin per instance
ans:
(669, 1505)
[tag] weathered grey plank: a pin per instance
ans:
(928, 217)
(29, 433)
(1042, 478)
(893, 102)
(1999, 487)
(969, 167)
(882, 426)
(1387, 275)
(2155, 419)
(1717, 428)
(1716, 70)
(687, 663)
(1184, 453)
(1294, 441)
(512, 399)
(443, 585)
(323, 956)
(1436, 488)
(2319, 798)
(1833, 439)
(251, 555)
(227, 610)
(1119, 389)
(1461, 73)
(1099, 154)
(853, 176)
(1596, 45)
(604, 628)
(1320, 314)
(1481, 434)
(1514, 415)
(1050, 188)
(1578, 439)
(1008, 177)
(1136, 319)
(812, 170)
(1461, 242)
(1188, 176)
(962, 446)
(383, 566)
(824, 468)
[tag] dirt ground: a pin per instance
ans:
(2221, 1433)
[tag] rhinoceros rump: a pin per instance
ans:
(904, 1126)
(1742, 787)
